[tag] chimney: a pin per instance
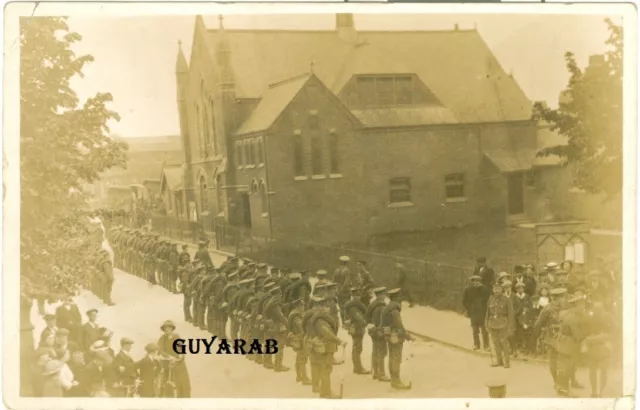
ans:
(345, 28)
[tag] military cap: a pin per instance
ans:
(381, 289)
(476, 277)
(261, 265)
(49, 316)
(90, 311)
(355, 289)
(321, 272)
(344, 259)
(232, 275)
(126, 341)
(274, 270)
(317, 299)
(62, 332)
(551, 266)
(558, 292)
(167, 323)
(295, 275)
(481, 259)
(503, 274)
(151, 347)
(275, 290)
(394, 291)
(252, 264)
(507, 283)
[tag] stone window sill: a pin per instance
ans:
(250, 166)
(240, 167)
(261, 165)
(458, 199)
(335, 176)
(318, 177)
(265, 215)
(300, 178)
(400, 205)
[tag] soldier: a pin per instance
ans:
(324, 329)
(548, 324)
(573, 331)
(187, 273)
(200, 298)
(308, 342)
(507, 285)
(106, 280)
(261, 269)
(379, 350)
(598, 348)
(355, 312)
(365, 277)
(475, 301)
(500, 321)
(228, 293)
(396, 335)
(211, 285)
(238, 303)
(202, 254)
(277, 325)
(263, 322)
(255, 317)
(295, 339)
(250, 320)
(342, 277)
(173, 267)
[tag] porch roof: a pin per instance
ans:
(173, 178)
(511, 160)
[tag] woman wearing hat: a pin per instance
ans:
(165, 348)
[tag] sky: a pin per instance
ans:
(135, 56)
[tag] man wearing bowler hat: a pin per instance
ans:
(165, 348)
(124, 366)
(484, 271)
(475, 300)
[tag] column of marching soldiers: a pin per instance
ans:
(270, 303)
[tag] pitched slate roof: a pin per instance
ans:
(405, 116)
(173, 177)
(457, 66)
(272, 104)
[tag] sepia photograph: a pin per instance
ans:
(310, 202)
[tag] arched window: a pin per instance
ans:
(243, 157)
(204, 199)
(316, 154)
(219, 194)
(252, 152)
(213, 127)
(260, 151)
(333, 150)
(264, 202)
(298, 155)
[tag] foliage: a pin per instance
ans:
(590, 117)
(64, 145)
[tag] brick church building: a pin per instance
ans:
(334, 136)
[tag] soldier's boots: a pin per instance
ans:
(279, 367)
(397, 384)
(301, 374)
(267, 362)
(361, 370)
(329, 395)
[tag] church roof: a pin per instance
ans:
(272, 104)
(405, 116)
(457, 66)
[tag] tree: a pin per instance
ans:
(589, 115)
(64, 145)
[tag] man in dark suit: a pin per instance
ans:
(99, 375)
(51, 328)
(68, 317)
(475, 301)
(90, 330)
(486, 273)
(124, 366)
(148, 368)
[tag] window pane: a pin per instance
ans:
(298, 156)
(260, 153)
(333, 141)
(384, 91)
(366, 91)
(404, 90)
(454, 185)
(399, 190)
(316, 155)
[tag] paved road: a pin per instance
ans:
(436, 371)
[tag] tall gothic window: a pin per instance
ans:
(219, 197)
(333, 149)
(213, 127)
(316, 155)
(199, 131)
(260, 145)
(204, 199)
(264, 203)
(298, 155)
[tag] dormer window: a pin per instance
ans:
(385, 91)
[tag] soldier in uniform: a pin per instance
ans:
(255, 320)
(212, 302)
(597, 347)
(308, 342)
(548, 324)
(324, 329)
(106, 280)
(249, 322)
(573, 331)
(379, 350)
(263, 322)
(277, 325)
(295, 339)
(228, 292)
(355, 312)
(200, 297)
(365, 277)
(395, 335)
(342, 277)
(322, 279)
(173, 267)
(238, 303)
(500, 321)
(202, 254)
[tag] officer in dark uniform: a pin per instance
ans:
(202, 254)
(263, 322)
(174, 256)
(237, 304)
(365, 276)
(230, 289)
(395, 335)
(255, 321)
(308, 342)
(548, 325)
(321, 275)
(573, 331)
(379, 350)
(295, 339)
(249, 323)
(202, 299)
(277, 325)
(342, 277)
(355, 312)
(324, 329)
(501, 324)
(212, 303)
